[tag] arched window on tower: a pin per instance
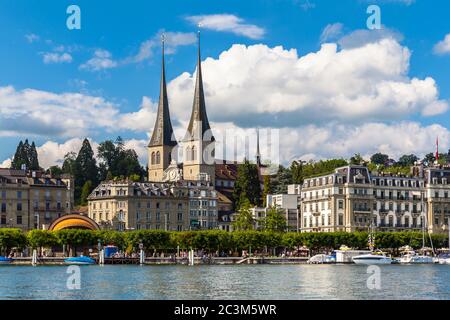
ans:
(153, 158)
(158, 157)
(194, 153)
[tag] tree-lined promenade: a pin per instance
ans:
(214, 241)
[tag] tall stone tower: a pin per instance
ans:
(199, 142)
(162, 146)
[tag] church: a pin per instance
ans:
(197, 147)
(180, 193)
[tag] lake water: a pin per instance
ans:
(256, 282)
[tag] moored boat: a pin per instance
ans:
(372, 258)
(444, 258)
(322, 259)
(5, 260)
(79, 261)
(412, 257)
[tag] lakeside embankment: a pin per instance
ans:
(48, 261)
(213, 244)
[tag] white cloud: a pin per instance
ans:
(172, 41)
(53, 57)
(31, 38)
(140, 121)
(102, 60)
(443, 47)
(359, 38)
(331, 32)
(343, 141)
(6, 163)
(258, 85)
(40, 113)
(228, 23)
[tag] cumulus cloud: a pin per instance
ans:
(228, 23)
(443, 47)
(337, 140)
(53, 57)
(258, 85)
(102, 60)
(40, 113)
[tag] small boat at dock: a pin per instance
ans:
(372, 258)
(5, 260)
(79, 261)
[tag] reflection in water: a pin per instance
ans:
(260, 282)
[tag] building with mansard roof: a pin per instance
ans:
(353, 198)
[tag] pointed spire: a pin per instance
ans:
(258, 153)
(163, 131)
(198, 116)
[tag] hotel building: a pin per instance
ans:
(352, 198)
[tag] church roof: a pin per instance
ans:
(198, 116)
(163, 131)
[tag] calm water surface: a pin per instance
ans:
(262, 282)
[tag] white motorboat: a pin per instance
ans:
(444, 259)
(415, 258)
(372, 258)
(322, 259)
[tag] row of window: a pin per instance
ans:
(3, 207)
(203, 213)
(4, 220)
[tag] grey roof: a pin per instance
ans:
(163, 131)
(198, 116)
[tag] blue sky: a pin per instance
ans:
(113, 63)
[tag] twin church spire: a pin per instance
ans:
(163, 143)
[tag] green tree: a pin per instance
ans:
(267, 189)
(379, 158)
(54, 171)
(244, 219)
(68, 166)
(33, 157)
(357, 159)
(297, 172)
(85, 192)
(26, 154)
(274, 221)
(247, 185)
(282, 180)
(41, 238)
(407, 160)
(118, 161)
(85, 169)
(19, 158)
(429, 158)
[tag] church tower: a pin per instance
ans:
(163, 143)
(199, 142)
